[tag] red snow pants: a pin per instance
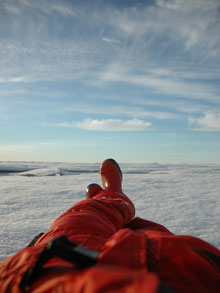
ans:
(135, 255)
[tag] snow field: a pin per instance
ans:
(184, 198)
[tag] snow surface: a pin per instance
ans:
(184, 198)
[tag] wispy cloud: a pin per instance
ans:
(132, 110)
(127, 66)
(207, 122)
(175, 86)
(45, 6)
(186, 25)
(170, 48)
(109, 125)
(23, 147)
(110, 40)
(167, 33)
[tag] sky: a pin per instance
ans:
(81, 81)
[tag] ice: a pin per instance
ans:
(184, 198)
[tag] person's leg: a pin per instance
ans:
(93, 220)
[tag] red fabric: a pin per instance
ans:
(136, 255)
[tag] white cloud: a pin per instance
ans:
(161, 81)
(17, 79)
(110, 40)
(182, 107)
(45, 6)
(10, 8)
(62, 8)
(173, 5)
(8, 148)
(148, 35)
(171, 48)
(13, 148)
(208, 122)
(109, 125)
(178, 25)
(136, 109)
(155, 114)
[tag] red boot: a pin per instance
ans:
(111, 175)
(92, 190)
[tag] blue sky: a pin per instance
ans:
(138, 81)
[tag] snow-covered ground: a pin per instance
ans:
(184, 198)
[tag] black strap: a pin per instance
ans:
(61, 247)
(164, 289)
(34, 240)
(212, 256)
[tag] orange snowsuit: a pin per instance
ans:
(135, 255)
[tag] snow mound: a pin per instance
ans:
(40, 172)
